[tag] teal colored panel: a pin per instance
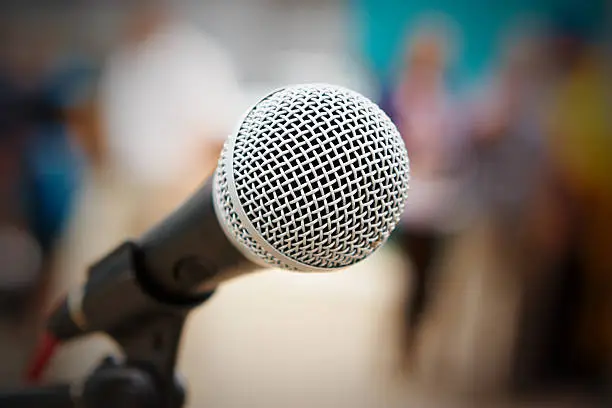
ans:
(382, 24)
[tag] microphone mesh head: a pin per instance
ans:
(315, 177)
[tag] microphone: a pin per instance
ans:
(313, 179)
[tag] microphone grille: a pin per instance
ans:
(315, 177)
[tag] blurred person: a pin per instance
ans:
(580, 141)
(42, 158)
(168, 98)
(505, 117)
(39, 175)
(507, 132)
(510, 190)
(425, 112)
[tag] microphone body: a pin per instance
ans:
(188, 253)
(313, 179)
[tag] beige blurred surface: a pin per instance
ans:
(277, 339)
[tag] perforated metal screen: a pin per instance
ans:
(316, 176)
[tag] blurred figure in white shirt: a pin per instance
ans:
(169, 97)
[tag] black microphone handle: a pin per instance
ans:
(188, 252)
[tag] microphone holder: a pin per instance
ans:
(144, 377)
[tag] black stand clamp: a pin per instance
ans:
(145, 377)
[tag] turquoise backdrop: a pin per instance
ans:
(381, 25)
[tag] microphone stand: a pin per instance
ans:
(144, 378)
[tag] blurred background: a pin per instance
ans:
(496, 289)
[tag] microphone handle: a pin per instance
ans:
(188, 253)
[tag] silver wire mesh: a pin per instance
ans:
(320, 172)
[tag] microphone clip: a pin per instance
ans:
(148, 332)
